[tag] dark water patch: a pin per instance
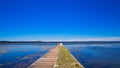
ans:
(97, 56)
(21, 55)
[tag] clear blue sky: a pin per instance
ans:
(56, 19)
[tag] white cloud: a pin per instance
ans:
(101, 39)
(58, 38)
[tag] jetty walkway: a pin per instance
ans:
(57, 57)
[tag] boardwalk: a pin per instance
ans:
(58, 57)
(48, 60)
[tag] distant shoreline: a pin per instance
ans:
(2, 42)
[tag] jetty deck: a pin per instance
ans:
(57, 57)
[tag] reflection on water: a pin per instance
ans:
(90, 55)
(97, 55)
(21, 55)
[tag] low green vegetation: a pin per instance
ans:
(66, 60)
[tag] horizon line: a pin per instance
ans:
(63, 39)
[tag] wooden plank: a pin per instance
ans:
(48, 60)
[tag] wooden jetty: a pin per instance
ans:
(57, 57)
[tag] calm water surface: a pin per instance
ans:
(97, 55)
(21, 55)
(90, 55)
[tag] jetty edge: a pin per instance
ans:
(57, 57)
(66, 59)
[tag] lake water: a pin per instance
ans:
(90, 55)
(97, 55)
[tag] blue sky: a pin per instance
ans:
(59, 19)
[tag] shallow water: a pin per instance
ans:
(97, 55)
(21, 55)
(90, 55)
